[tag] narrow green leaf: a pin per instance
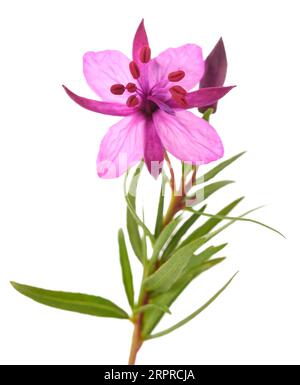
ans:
(211, 235)
(150, 306)
(133, 220)
(160, 209)
(212, 173)
(132, 225)
(211, 223)
(222, 217)
(152, 318)
(169, 272)
(203, 193)
(180, 233)
(163, 239)
(75, 302)
(191, 316)
(190, 274)
(126, 268)
(204, 256)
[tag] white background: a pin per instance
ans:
(59, 221)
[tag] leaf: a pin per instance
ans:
(150, 306)
(239, 219)
(152, 318)
(193, 315)
(205, 255)
(213, 172)
(163, 239)
(132, 226)
(133, 220)
(209, 236)
(211, 223)
(203, 193)
(160, 209)
(190, 274)
(180, 233)
(79, 303)
(169, 272)
(126, 268)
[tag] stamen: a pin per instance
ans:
(176, 76)
(117, 89)
(145, 54)
(134, 70)
(177, 91)
(132, 101)
(131, 87)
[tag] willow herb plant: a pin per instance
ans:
(154, 96)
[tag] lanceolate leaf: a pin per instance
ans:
(152, 317)
(211, 223)
(148, 306)
(132, 226)
(193, 315)
(169, 272)
(213, 172)
(206, 191)
(126, 268)
(163, 239)
(180, 233)
(75, 302)
(160, 209)
(204, 256)
(133, 220)
(239, 219)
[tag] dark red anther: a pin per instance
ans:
(176, 76)
(132, 101)
(117, 89)
(145, 54)
(131, 87)
(181, 101)
(177, 91)
(134, 70)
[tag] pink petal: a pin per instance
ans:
(115, 109)
(140, 40)
(153, 151)
(187, 58)
(104, 69)
(121, 147)
(203, 97)
(187, 137)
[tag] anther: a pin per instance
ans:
(117, 89)
(176, 76)
(132, 101)
(145, 54)
(134, 70)
(177, 91)
(181, 100)
(131, 87)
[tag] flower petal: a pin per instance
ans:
(153, 151)
(204, 97)
(121, 147)
(115, 109)
(140, 40)
(187, 58)
(215, 69)
(187, 137)
(104, 69)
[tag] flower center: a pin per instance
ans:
(177, 92)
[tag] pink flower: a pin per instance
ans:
(153, 97)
